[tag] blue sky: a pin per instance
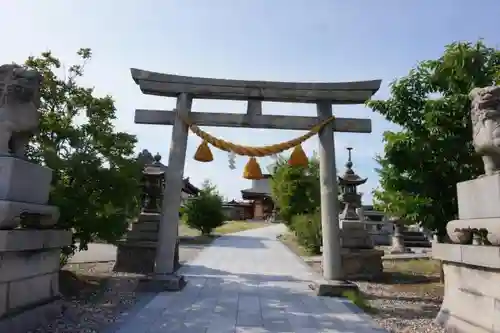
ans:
(285, 40)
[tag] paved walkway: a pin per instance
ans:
(247, 282)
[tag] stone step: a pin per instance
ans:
(413, 233)
(415, 239)
(413, 244)
(148, 226)
(142, 235)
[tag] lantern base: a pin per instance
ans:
(136, 253)
(135, 257)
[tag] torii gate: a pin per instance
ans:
(185, 89)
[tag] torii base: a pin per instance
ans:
(333, 288)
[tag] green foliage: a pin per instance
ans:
(307, 229)
(422, 162)
(205, 212)
(95, 177)
(295, 190)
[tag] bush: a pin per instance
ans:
(307, 228)
(295, 189)
(205, 212)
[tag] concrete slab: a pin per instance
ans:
(247, 282)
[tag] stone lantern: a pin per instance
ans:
(152, 183)
(137, 251)
(359, 258)
(349, 195)
(398, 244)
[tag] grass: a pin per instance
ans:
(359, 300)
(427, 267)
(236, 226)
(227, 228)
(418, 276)
(193, 236)
(290, 240)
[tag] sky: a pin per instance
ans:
(280, 40)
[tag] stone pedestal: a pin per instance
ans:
(472, 272)
(362, 263)
(29, 251)
(354, 235)
(477, 198)
(357, 264)
(136, 253)
(24, 188)
(359, 258)
(29, 277)
(23, 181)
(481, 210)
(472, 295)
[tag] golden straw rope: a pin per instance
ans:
(256, 151)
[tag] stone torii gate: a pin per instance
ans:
(185, 89)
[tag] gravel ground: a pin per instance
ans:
(400, 311)
(105, 307)
(406, 304)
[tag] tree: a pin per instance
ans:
(422, 162)
(295, 190)
(205, 212)
(95, 177)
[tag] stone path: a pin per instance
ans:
(247, 282)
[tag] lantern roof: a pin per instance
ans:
(350, 177)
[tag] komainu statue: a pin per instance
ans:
(485, 114)
(19, 102)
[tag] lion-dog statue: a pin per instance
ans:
(485, 115)
(19, 102)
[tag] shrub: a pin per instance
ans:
(307, 229)
(205, 212)
(295, 189)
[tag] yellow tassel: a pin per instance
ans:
(252, 170)
(203, 153)
(298, 157)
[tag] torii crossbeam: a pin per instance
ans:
(185, 89)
